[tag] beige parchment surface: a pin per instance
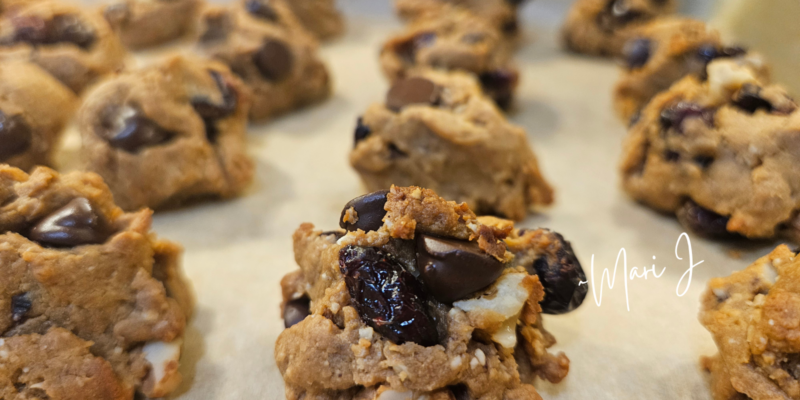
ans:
(237, 251)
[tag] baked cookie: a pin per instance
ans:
(602, 27)
(719, 153)
(438, 130)
(752, 318)
(262, 43)
(96, 305)
(74, 45)
(34, 108)
(502, 14)
(419, 297)
(320, 17)
(145, 23)
(666, 50)
(167, 134)
(455, 40)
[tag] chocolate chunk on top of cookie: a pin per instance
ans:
(431, 301)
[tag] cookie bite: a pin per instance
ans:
(719, 153)
(264, 44)
(602, 27)
(501, 14)
(438, 130)
(74, 45)
(96, 305)
(145, 23)
(455, 40)
(417, 297)
(34, 108)
(751, 316)
(169, 133)
(666, 50)
(320, 17)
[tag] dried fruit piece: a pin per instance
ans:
(561, 274)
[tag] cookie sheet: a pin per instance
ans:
(645, 345)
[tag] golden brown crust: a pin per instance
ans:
(143, 23)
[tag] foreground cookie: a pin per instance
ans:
(170, 133)
(145, 23)
(419, 297)
(752, 317)
(320, 17)
(74, 45)
(602, 27)
(34, 108)
(502, 14)
(96, 305)
(666, 50)
(264, 44)
(719, 153)
(438, 130)
(454, 40)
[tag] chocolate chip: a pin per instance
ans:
(499, 85)
(20, 305)
(362, 131)
(703, 161)
(64, 28)
(77, 223)
(702, 221)
(749, 99)
(637, 52)
(675, 115)
(408, 50)
(261, 9)
(460, 392)
(561, 275)
(410, 91)
(15, 135)
(210, 111)
(454, 269)
(295, 311)
(369, 209)
(274, 60)
(124, 127)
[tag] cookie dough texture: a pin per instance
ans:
(727, 144)
(502, 14)
(91, 321)
(462, 147)
(320, 17)
(73, 44)
(751, 316)
(454, 40)
(145, 23)
(334, 354)
(34, 108)
(602, 27)
(264, 44)
(168, 134)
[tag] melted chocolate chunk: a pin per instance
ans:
(703, 222)
(454, 269)
(261, 9)
(274, 60)
(362, 131)
(637, 52)
(210, 111)
(410, 91)
(369, 208)
(64, 28)
(75, 224)
(126, 128)
(499, 85)
(15, 136)
(561, 274)
(20, 305)
(295, 311)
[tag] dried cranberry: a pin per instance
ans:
(16, 135)
(749, 99)
(702, 221)
(637, 52)
(20, 305)
(388, 298)
(561, 274)
(499, 85)
(362, 131)
(674, 116)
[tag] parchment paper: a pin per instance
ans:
(237, 251)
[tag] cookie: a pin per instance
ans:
(34, 108)
(438, 130)
(96, 305)
(718, 153)
(74, 45)
(502, 14)
(167, 134)
(602, 27)
(455, 40)
(666, 50)
(146, 23)
(264, 44)
(751, 316)
(419, 297)
(320, 17)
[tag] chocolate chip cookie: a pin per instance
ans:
(320, 17)
(167, 134)
(438, 130)
(752, 317)
(417, 296)
(34, 108)
(722, 154)
(268, 49)
(95, 305)
(74, 45)
(145, 23)
(602, 27)
(666, 50)
(454, 40)
(502, 14)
